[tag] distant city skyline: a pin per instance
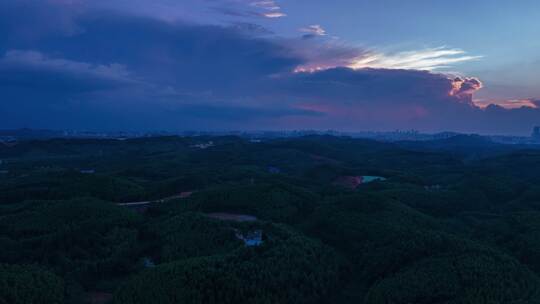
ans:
(469, 67)
(12, 137)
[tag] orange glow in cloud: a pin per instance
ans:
(465, 86)
(507, 104)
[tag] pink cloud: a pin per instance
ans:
(509, 104)
(464, 88)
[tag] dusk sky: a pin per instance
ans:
(349, 65)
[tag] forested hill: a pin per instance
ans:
(316, 219)
(466, 146)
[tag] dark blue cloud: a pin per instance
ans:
(24, 22)
(370, 85)
(33, 70)
(202, 57)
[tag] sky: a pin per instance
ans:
(347, 65)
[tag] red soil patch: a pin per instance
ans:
(351, 182)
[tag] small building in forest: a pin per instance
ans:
(148, 262)
(352, 182)
(251, 238)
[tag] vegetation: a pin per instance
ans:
(29, 285)
(455, 221)
(288, 268)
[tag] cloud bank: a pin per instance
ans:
(105, 70)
